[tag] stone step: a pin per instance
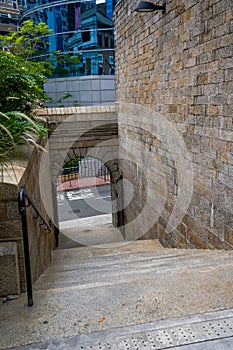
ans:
(83, 263)
(209, 331)
(115, 248)
(93, 289)
(128, 263)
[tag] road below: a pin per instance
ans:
(85, 202)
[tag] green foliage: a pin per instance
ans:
(21, 84)
(71, 167)
(31, 41)
(22, 78)
(65, 63)
(17, 128)
(63, 98)
(28, 41)
(21, 87)
(73, 162)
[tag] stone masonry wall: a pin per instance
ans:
(179, 66)
(10, 228)
(41, 241)
(89, 131)
(26, 172)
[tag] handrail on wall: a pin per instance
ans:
(22, 197)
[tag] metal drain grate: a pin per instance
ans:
(166, 338)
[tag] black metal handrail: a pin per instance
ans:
(22, 197)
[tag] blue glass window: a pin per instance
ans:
(82, 33)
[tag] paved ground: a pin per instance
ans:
(209, 331)
(83, 182)
(135, 296)
(85, 231)
(92, 231)
(84, 202)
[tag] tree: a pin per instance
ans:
(28, 41)
(22, 78)
(31, 42)
(21, 87)
(21, 84)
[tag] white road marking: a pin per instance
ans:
(77, 195)
(78, 198)
(103, 197)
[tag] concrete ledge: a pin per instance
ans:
(64, 112)
(9, 270)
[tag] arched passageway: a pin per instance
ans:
(84, 198)
(82, 183)
(86, 133)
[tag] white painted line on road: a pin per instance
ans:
(103, 197)
(77, 195)
(78, 198)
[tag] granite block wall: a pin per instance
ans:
(24, 171)
(179, 67)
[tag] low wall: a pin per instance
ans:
(41, 241)
(10, 229)
(23, 170)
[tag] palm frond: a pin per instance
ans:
(17, 128)
(24, 116)
(7, 131)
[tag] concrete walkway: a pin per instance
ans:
(134, 296)
(91, 231)
(208, 331)
(83, 182)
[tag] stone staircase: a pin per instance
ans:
(131, 295)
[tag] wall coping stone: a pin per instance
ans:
(77, 110)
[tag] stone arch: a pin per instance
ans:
(94, 135)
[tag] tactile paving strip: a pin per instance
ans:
(166, 338)
(202, 332)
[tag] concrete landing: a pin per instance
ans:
(208, 331)
(89, 290)
(92, 231)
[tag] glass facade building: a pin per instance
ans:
(10, 11)
(82, 35)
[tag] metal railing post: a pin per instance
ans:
(22, 211)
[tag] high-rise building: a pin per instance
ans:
(9, 15)
(82, 34)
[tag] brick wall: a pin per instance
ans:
(179, 67)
